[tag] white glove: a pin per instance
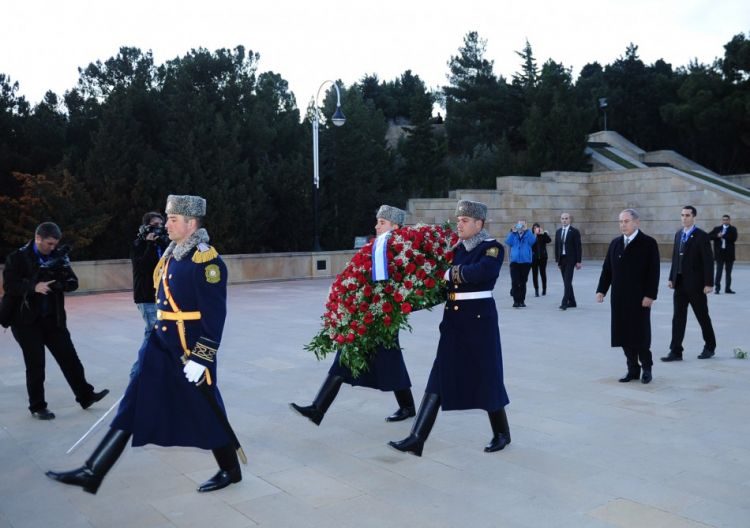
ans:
(193, 371)
(447, 275)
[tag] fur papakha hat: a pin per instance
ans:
(392, 214)
(471, 209)
(186, 205)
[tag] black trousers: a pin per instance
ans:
(720, 264)
(567, 267)
(519, 276)
(32, 339)
(539, 267)
(636, 354)
(697, 300)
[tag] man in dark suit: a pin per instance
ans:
(724, 237)
(568, 258)
(692, 277)
(631, 267)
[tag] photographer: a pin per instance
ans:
(520, 241)
(539, 258)
(35, 279)
(145, 253)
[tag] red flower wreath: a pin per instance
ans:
(361, 314)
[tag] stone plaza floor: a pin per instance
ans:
(587, 451)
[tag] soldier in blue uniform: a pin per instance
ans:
(163, 404)
(468, 369)
(387, 370)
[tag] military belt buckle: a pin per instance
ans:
(451, 296)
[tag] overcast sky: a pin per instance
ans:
(42, 43)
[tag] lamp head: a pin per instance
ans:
(338, 117)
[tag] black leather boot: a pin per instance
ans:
(90, 475)
(414, 443)
(229, 470)
(323, 400)
(405, 406)
(500, 431)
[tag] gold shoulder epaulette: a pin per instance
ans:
(157, 272)
(201, 256)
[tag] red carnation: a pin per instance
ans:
(419, 293)
(408, 284)
(398, 297)
(419, 260)
(409, 253)
(369, 318)
(351, 309)
(350, 337)
(387, 320)
(388, 289)
(340, 339)
(410, 267)
(376, 298)
(406, 308)
(387, 307)
(363, 307)
(351, 286)
(429, 282)
(398, 277)
(367, 291)
(421, 274)
(362, 330)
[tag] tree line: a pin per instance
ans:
(132, 131)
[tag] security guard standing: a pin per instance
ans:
(468, 369)
(163, 404)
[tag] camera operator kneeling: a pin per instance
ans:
(35, 278)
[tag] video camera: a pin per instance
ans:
(159, 231)
(56, 268)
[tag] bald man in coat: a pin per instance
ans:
(631, 268)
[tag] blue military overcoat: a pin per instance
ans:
(160, 406)
(468, 369)
(387, 371)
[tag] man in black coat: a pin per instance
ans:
(631, 267)
(145, 252)
(692, 277)
(724, 237)
(568, 257)
(35, 279)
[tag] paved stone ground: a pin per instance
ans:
(587, 451)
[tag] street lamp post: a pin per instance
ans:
(603, 106)
(338, 120)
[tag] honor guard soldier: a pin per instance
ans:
(387, 370)
(173, 399)
(468, 369)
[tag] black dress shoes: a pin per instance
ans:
(732, 292)
(43, 414)
(717, 292)
(522, 305)
(516, 305)
(672, 357)
(646, 377)
(563, 307)
(629, 377)
(221, 480)
(401, 414)
(92, 398)
(706, 354)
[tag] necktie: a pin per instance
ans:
(627, 241)
(564, 235)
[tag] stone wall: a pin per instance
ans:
(116, 275)
(595, 200)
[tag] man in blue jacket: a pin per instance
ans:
(520, 241)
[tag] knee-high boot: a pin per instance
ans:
(229, 470)
(323, 400)
(414, 443)
(90, 475)
(405, 406)
(500, 431)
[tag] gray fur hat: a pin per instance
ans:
(392, 214)
(186, 205)
(471, 209)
